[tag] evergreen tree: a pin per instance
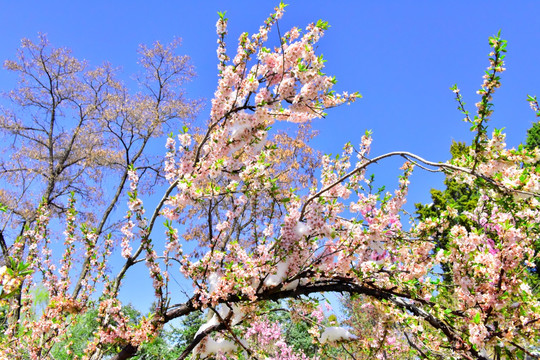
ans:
(462, 197)
(458, 196)
(533, 136)
(181, 337)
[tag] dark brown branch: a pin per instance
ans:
(399, 300)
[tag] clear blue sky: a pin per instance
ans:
(402, 56)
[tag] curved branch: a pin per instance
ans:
(402, 301)
(407, 155)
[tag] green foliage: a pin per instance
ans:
(40, 299)
(458, 196)
(221, 15)
(81, 331)
(533, 142)
(295, 330)
(533, 137)
(322, 24)
(297, 335)
(462, 197)
(158, 349)
(12, 269)
(83, 328)
(181, 337)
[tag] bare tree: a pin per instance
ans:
(73, 128)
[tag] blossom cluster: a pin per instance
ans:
(263, 225)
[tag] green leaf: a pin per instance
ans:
(321, 24)
(477, 318)
(222, 15)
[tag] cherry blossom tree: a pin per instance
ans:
(265, 226)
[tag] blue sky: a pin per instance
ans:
(402, 56)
